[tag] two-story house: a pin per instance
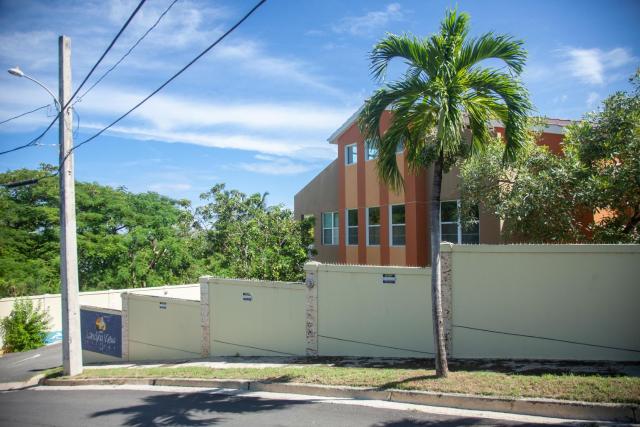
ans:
(359, 220)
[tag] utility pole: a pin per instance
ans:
(71, 344)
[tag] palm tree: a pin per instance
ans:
(444, 91)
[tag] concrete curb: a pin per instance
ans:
(627, 413)
(35, 380)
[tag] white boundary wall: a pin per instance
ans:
(499, 301)
(253, 318)
(373, 311)
(588, 294)
(104, 299)
(160, 328)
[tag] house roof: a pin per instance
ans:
(333, 138)
(552, 125)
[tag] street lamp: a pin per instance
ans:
(71, 344)
(16, 71)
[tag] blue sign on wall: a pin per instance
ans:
(101, 332)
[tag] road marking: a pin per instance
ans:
(438, 410)
(28, 358)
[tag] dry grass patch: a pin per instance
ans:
(590, 388)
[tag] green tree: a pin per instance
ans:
(535, 195)
(245, 238)
(25, 328)
(604, 148)
(543, 197)
(444, 88)
(124, 239)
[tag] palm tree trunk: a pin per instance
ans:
(442, 369)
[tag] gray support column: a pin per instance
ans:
(125, 326)
(446, 262)
(71, 344)
(205, 344)
(311, 308)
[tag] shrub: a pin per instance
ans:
(25, 328)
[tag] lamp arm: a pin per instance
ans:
(55, 99)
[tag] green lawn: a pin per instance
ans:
(590, 388)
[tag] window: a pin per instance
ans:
(370, 151)
(352, 226)
(351, 154)
(453, 230)
(330, 228)
(373, 226)
(397, 225)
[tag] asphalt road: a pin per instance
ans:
(125, 407)
(18, 367)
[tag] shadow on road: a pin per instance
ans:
(193, 409)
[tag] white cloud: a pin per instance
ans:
(270, 165)
(367, 23)
(168, 112)
(315, 149)
(187, 24)
(251, 56)
(591, 65)
(592, 99)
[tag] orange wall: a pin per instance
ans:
(362, 188)
(359, 186)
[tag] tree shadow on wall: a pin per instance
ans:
(193, 409)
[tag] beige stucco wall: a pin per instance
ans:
(582, 293)
(354, 305)
(371, 184)
(320, 195)
(104, 299)
(170, 333)
(274, 318)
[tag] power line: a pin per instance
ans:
(236, 25)
(126, 24)
(211, 46)
(155, 24)
(34, 141)
(24, 114)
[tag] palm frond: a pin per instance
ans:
(399, 96)
(416, 52)
(443, 84)
(491, 46)
(516, 100)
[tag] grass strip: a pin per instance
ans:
(589, 388)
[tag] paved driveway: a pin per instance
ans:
(19, 367)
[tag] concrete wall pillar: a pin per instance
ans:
(311, 308)
(446, 265)
(125, 325)
(205, 348)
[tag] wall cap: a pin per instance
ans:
(252, 282)
(373, 269)
(163, 298)
(543, 248)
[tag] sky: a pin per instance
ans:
(256, 111)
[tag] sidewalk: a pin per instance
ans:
(532, 367)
